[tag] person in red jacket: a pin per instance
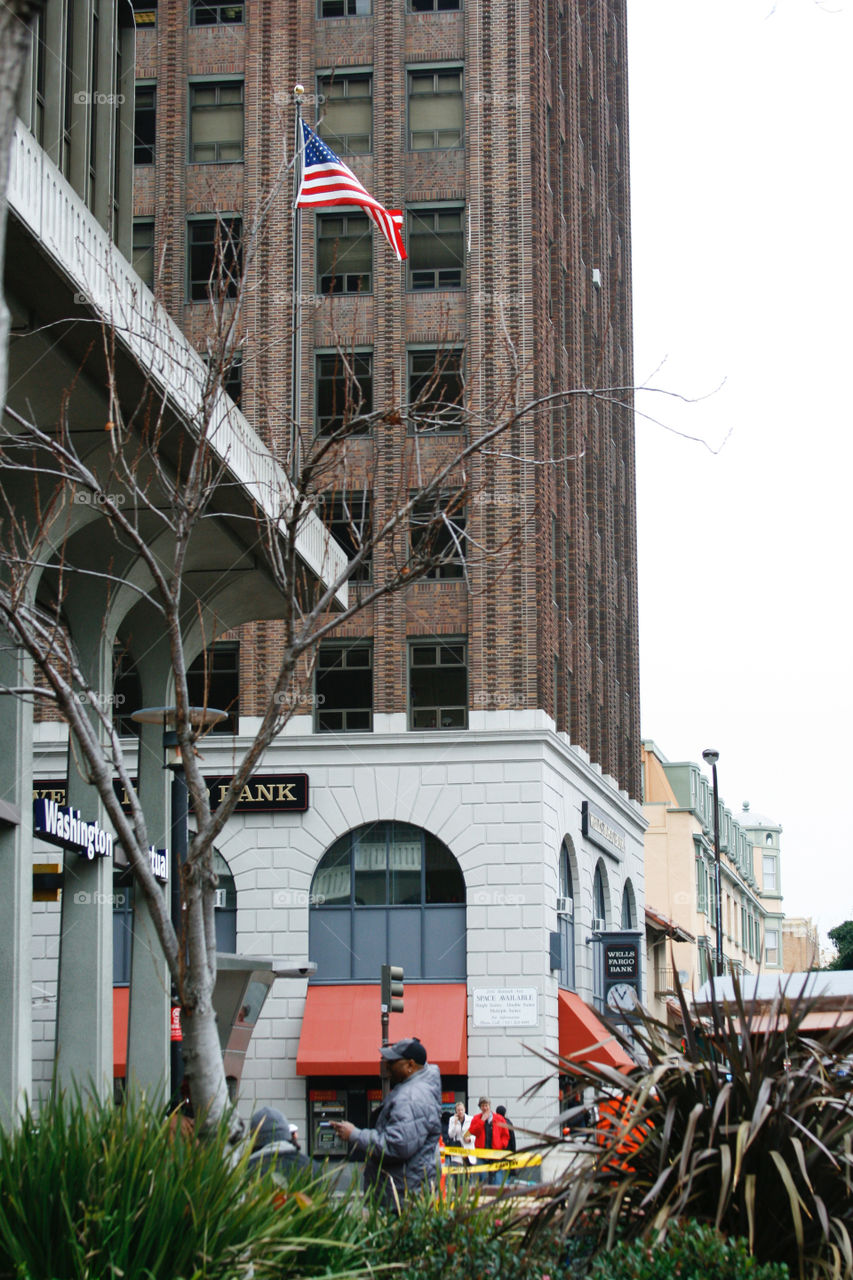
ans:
(491, 1131)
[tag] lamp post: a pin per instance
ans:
(711, 757)
(179, 831)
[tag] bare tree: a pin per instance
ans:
(154, 503)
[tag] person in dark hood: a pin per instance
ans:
(401, 1150)
(272, 1147)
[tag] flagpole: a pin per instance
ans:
(296, 294)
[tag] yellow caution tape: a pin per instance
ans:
(491, 1159)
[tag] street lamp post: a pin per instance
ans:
(179, 830)
(711, 757)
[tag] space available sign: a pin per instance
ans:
(506, 1007)
(60, 825)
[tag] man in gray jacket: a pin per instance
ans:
(400, 1153)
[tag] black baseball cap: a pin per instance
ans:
(405, 1049)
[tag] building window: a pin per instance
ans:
(437, 534)
(347, 120)
(347, 516)
(344, 8)
(436, 249)
(144, 13)
(344, 392)
(214, 15)
(344, 688)
(435, 109)
(629, 910)
(213, 680)
(433, 6)
(438, 685)
(232, 377)
(566, 916)
(771, 946)
(216, 122)
(387, 892)
(599, 901)
(435, 390)
(142, 255)
(144, 123)
(214, 257)
(344, 253)
(770, 873)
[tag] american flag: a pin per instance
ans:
(326, 181)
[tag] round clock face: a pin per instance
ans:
(622, 996)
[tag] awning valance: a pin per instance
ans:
(584, 1037)
(341, 1030)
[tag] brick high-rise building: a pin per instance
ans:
(474, 759)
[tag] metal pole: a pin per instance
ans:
(296, 294)
(718, 884)
(179, 836)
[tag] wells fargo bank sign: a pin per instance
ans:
(263, 793)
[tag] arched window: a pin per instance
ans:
(387, 893)
(629, 907)
(225, 912)
(225, 916)
(566, 916)
(599, 899)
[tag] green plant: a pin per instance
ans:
(736, 1122)
(90, 1191)
(466, 1238)
(690, 1251)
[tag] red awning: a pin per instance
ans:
(341, 1031)
(121, 1008)
(584, 1038)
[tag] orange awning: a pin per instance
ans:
(584, 1037)
(121, 1008)
(341, 1030)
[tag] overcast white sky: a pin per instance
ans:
(741, 188)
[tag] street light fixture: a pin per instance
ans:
(710, 756)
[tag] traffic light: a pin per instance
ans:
(392, 988)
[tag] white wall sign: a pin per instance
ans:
(506, 1007)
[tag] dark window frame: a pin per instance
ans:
(342, 282)
(349, 8)
(138, 250)
(429, 279)
(343, 402)
(445, 709)
(448, 537)
(202, 110)
(344, 512)
(225, 253)
(223, 661)
(354, 719)
(434, 6)
(342, 143)
(145, 123)
(420, 75)
(447, 415)
(211, 13)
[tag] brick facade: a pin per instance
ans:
(543, 175)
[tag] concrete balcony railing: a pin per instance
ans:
(66, 230)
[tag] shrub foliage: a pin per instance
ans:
(739, 1122)
(690, 1251)
(90, 1191)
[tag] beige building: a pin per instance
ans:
(800, 945)
(681, 936)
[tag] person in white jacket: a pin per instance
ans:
(458, 1133)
